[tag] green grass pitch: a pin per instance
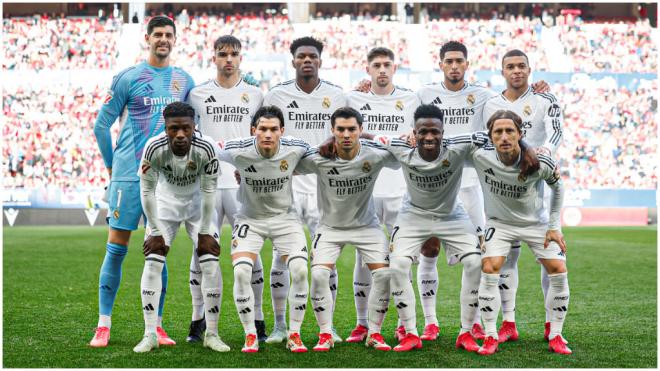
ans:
(50, 308)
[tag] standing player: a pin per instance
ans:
(177, 183)
(431, 208)
(307, 103)
(225, 107)
(348, 216)
(542, 128)
(386, 110)
(266, 164)
(514, 211)
(138, 94)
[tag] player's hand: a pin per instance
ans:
(557, 236)
(110, 172)
(364, 86)
(541, 87)
(543, 151)
(237, 176)
(530, 162)
(327, 149)
(207, 244)
(106, 194)
(155, 245)
(409, 138)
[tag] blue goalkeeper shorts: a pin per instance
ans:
(124, 205)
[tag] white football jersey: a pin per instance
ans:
(178, 180)
(463, 113)
(306, 116)
(541, 115)
(265, 189)
(514, 200)
(225, 114)
(345, 187)
(391, 114)
(433, 186)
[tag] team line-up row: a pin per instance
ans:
(272, 201)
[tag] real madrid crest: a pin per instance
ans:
(528, 110)
(234, 244)
(445, 163)
(175, 85)
(522, 177)
(115, 214)
(366, 167)
(399, 105)
(284, 166)
(470, 99)
(326, 102)
(245, 98)
(192, 165)
(391, 247)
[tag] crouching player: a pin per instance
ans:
(178, 178)
(514, 205)
(266, 163)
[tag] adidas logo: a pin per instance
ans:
(401, 305)
(167, 168)
(428, 294)
(436, 101)
(293, 104)
(251, 169)
(490, 171)
(487, 309)
(360, 294)
(257, 281)
(560, 309)
(148, 307)
(474, 305)
(333, 171)
(319, 309)
(106, 287)
(245, 311)
(148, 88)
(503, 287)
(302, 307)
(195, 272)
(214, 310)
(194, 282)
(366, 107)
(276, 285)
(333, 287)
(304, 249)
(382, 311)
(210, 99)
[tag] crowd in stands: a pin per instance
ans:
(610, 137)
(60, 43)
(70, 43)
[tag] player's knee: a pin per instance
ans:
(298, 269)
(242, 271)
(399, 267)
(320, 276)
(204, 250)
(431, 247)
(554, 266)
(490, 266)
(471, 262)
(162, 250)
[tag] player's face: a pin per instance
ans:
(381, 69)
(505, 137)
(227, 60)
(347, 133)
(453, 66)
(179, 134)
(268, 133)
(307, 62)
(428, 134)
(515, 71)
(161, 41)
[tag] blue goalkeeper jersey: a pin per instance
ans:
(137, 97)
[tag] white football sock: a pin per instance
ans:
(322, 298)
(212, 290)
(489, 302)
(545, 285)
(279, 289)
(558, 295)
(257, 283)
(379, 298)
(243, 295)
(427, 284)
(333, 281)
(297, 293)
(469, 290)
(195, 282)
(150, 287)
(509, 283)
(361, 289)
(403, 293)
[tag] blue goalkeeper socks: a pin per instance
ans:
(110, 277)
(161, 304)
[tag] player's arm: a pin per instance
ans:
(550, 173)
(307, 163)
(553, 121)
(208, 182)
(113, 105)
(148, 181)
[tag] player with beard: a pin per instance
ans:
(307, 103)
(225, 106)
